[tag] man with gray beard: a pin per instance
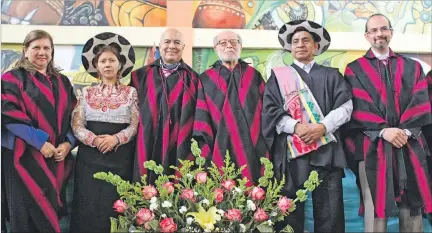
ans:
(228, 111)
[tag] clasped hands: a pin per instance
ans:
(106, 143)
(59, 154)
(309, 133)
(397, 137)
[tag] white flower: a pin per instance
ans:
(269, 222)
(207, 230)
(195, 193)
(237, 190)
(190, 176)
(205, 201)
(273, 214)
(163, 215)
(189, 220)
(217, 229)
(153, 206)
(153, 200)
(251, 205)
(242, 228)
(217, 217)
(183, 209)
(221, 212)
(166, 204)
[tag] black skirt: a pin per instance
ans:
(93, 199)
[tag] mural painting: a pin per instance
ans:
(265, 60)
(336, 16)
(68, 58)
(139, 13)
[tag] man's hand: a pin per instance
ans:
(397, 137)
(315, 131)
(301, 129)
(108, 143)
(48, 150)
(62, 151)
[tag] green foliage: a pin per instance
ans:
(169, 204)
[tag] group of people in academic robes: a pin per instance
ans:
(376, 119)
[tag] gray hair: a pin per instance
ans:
(215, 39)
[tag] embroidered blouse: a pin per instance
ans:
(106, 103)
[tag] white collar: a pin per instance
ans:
(381, 56)
(305, 67)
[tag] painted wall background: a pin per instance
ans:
(336, 16)
(140, 13)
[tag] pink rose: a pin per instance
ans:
(143, 216)
(149, 192)
(219, 195)
(233, 215)
(258, 194)
(284, 204)
(119, 206)
(201, 177)
(169, 187)
(188, 194)
(228, 184)
(260, 215)
(167, 225)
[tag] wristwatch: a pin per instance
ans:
(408, 133)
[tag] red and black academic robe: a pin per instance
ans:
(46, 104)
(330, 91)
(428, 129)
(398, 98)
(228, 117)
(167, 107)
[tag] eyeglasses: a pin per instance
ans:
(384, 29)
(233, 42)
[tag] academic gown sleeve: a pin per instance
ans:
(272, 113)
(428, 129)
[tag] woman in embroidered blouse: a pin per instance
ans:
(105, 122)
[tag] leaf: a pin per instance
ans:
(280, 217)
(154, 224)
(264, 227)
(248, 225)
(287, 229)
(113, 224)
(124, 223)
(192, 206)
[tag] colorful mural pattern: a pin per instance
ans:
(337, 16)
(265, 60)
(139, 13)
(69, 59)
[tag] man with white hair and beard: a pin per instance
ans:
(384, 136)
(228, 111)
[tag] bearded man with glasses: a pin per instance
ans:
(384, 136)
(228, 111)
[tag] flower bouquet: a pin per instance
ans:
(200, 199)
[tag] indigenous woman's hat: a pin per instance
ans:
(94, 44)
(322, 37)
